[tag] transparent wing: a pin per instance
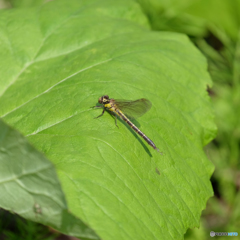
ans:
(133, 109)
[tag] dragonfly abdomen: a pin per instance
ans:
(136, 129)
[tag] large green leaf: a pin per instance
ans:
(57, 61)
(29, 185)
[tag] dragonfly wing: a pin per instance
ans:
(133, 109)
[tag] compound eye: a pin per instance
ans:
(106, 96)
(100, 100)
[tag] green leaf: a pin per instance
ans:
(61, 62)
(29, 185)
(172, 15)
(223, 14)
(195, 17)
(27, 3)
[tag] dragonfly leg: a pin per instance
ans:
(115, 118)
(101, 114)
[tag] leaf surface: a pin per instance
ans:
(61, 63)
(29, 186)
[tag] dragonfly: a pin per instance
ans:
(126, 110)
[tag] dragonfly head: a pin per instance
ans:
(104, 99)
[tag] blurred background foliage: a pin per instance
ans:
(213, 26)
